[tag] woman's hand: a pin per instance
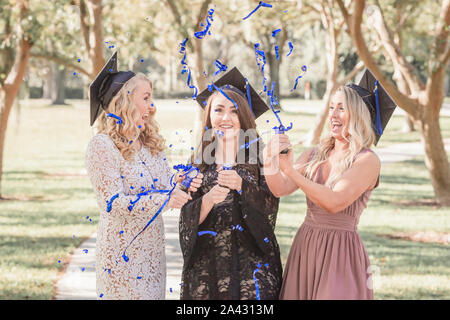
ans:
(286, 162)
(178, 198)
(217, 194)
(278, 143)
(196, 183)
(229, 179)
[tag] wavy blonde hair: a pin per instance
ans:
(360, 135)
(123, 106)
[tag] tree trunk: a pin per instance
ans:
(274, 73)
(436, 159)
(408, 126)
(9, 91)
(59, 78)
(49, 83)
(95, 36)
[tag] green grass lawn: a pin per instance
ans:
(51, 198)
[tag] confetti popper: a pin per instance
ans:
(261, 4)
(190, 175)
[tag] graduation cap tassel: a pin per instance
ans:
(247, 86)
(379, 127)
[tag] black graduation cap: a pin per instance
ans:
(234, 80)
(106, 85)
(380, 104)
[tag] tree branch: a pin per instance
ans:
(83, 25)
(409, 105)
(60, 61)
(357, 68)
(182, 29)
(408, 71)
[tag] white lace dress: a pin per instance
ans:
(143, 276)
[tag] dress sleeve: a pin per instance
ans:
(259, 209)
(166, 173)
(103, 168)
(188, 226)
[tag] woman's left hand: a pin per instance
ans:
(229, 179)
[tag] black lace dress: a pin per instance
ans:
(242, 261)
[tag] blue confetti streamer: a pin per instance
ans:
(291, 47)
(274, 32)
(109, 203)
(258, 297)
(207, 232)
(273, 100)
(261, 4)
(148, 223)
(186, 68)
(112, 115)
(258, 266)
(209, 19)
(261, 56)
(247, 145)
(299, 77)
(220, 66)
(225, 95)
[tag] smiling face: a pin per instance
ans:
(338, 117)
(142, 98)
(224, 116)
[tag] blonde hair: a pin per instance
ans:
(122, 105)
(360, 135)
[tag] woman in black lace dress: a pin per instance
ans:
(227, 230)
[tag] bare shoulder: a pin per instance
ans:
(368, 159)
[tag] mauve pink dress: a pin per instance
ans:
(327, 260)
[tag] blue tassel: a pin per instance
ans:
(378, 125)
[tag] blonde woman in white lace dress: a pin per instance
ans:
(124, 159)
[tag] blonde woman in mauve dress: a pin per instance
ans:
(328, 259)
(125, 160)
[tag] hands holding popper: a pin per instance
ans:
(179, 198)
(272, 152)
(227, 180)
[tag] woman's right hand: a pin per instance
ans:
(217, 194)
(277, 143)
(178, 199)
